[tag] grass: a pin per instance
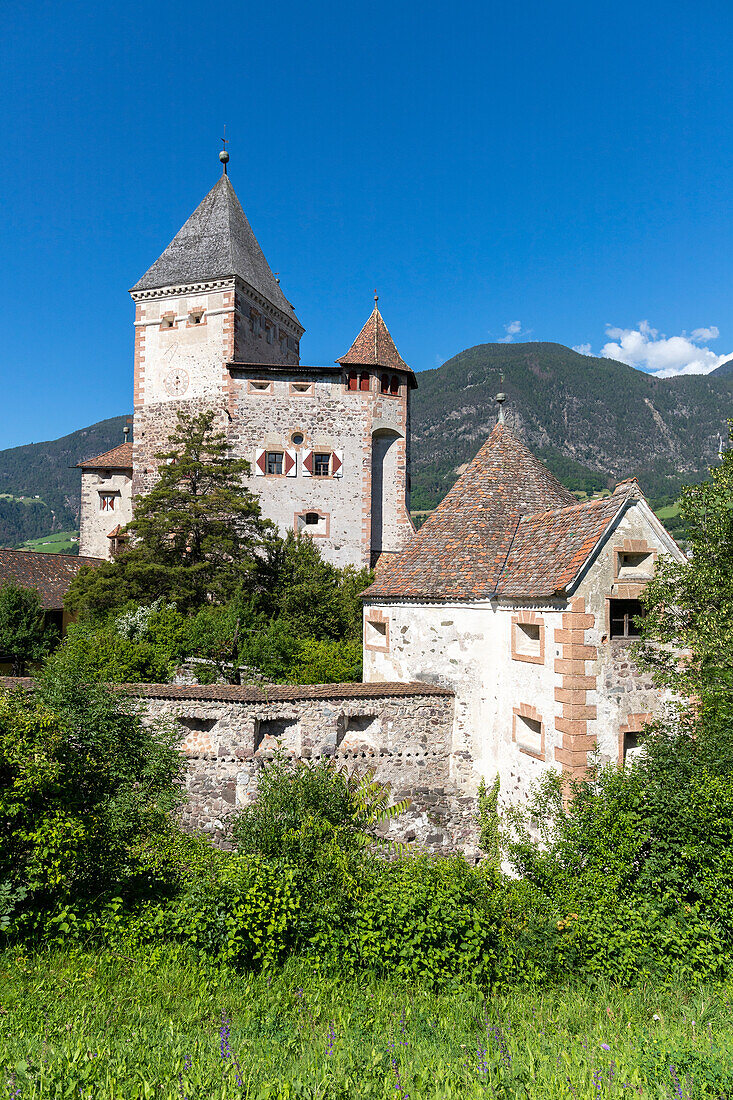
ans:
(61, 542)
(111, 1026)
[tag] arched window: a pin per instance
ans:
(394, 385)
(384, 380)
(364, 380)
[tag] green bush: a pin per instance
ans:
(82, 780)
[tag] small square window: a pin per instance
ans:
(167, 322)
(107, 502)
(311, 518)
(622, 614)
(376, 634)
(634, 564)
(259, 386)
(196, 317)
(275, 462)
(528, 735)
(321, 464)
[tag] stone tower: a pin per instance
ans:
(327, 446)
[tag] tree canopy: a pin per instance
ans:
(196, 536)
(25, 636)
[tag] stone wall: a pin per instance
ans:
(402, 731)
(96, 523)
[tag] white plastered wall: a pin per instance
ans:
(96, 524)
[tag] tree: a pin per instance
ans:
(196, 537)
(687, 632)
(25, 636)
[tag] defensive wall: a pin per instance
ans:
(401, 731)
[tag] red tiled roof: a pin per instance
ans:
(265, 693)
(550, 549)
(374, 347)
(119, 458)
(51, 574)
(463, 548)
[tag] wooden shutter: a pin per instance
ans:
(290, 466)
(260, 462)
(307, 464)
(337, 464)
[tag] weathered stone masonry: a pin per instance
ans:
(402, 731)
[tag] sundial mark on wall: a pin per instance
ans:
(176, 382)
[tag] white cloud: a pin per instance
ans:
(583, 349)
(514, 328)
(663, 356)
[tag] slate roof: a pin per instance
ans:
(51, 574)
(216, 242)
(506, 528)
(374, 347)
(119, 458)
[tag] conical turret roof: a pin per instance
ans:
(374, 347)
(462, 548)
(216, 242)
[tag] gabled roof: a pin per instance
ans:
(216, 242)
(119, 458)
(374, 347)
(51, 574)
(461, 550)
(550, 549)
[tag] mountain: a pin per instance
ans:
(593, 421)
(724, 369)
(39, 485)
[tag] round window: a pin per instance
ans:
(297, 438)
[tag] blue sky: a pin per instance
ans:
(523, 171)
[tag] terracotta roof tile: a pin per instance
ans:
(50, 574)
(374, 347)
(265, 693)
(461, 549)
(550, 549)
(119, 458)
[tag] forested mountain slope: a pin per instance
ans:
(47, 471)
(593, 421)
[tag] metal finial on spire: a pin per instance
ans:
(223, 155)
(376, 296)
(500, 399)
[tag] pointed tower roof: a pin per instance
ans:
(461, 550)
(216, 242)
(374, 347)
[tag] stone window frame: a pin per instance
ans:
(633, 546)
(524, 710)
(196, 311)
(624, 592)
(634, 723)
(528, 618)
(390, 377)
(168, 321)
(313, 534)
(255, 385)
(374, 618)
(310, 392)
(113, 498)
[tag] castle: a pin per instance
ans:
(496, 638)
(328, 446)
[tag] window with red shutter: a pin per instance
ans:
(384, 382)
(394, 386)
(364, 381)
(352, 380)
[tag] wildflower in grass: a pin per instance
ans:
(227, 1054)
(224, 1032)
(331, 1040)
(498, 1037)
(483, 1066)
(399, 1088)
(605, 1046)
